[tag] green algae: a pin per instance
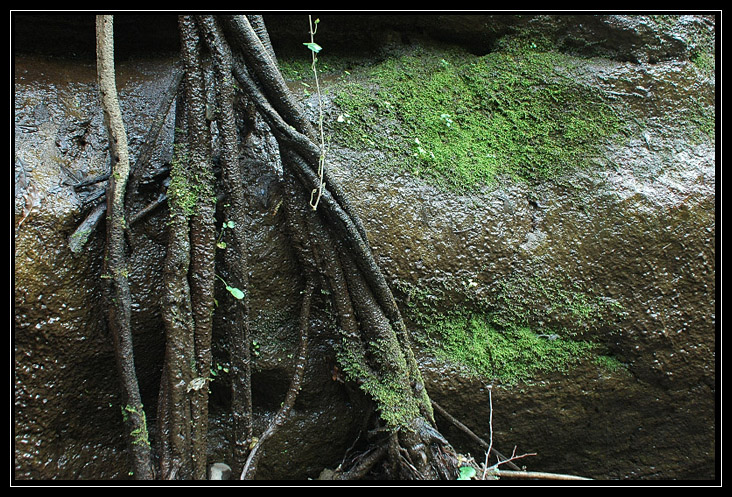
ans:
(460, 120)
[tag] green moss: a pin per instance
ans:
(185, 192)
(510, 355)
(397, 403)
(528, 299)
(610, 364)
(706, 61)
(460, 120)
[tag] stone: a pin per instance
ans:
(219, 471)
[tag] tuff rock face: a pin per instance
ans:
(622, 257)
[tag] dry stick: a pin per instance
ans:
(472, 435)
(92, 181)
(364, 465)
(148, 209)
(81, 235)
(536, 475)
(151, 138)
(116, 258)
(295, 384)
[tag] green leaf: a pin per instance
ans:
(313, 46)
(466, 472)
(235, 292)
(221, 245)
(230, 224)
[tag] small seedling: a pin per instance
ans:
(235, 292)
(466, 472)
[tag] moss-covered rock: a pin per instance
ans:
(460, 121)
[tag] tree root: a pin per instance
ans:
(331, 245)
(116, 256)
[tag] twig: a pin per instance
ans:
(470, 434)
(490, 429)
(364, 465)
(513, 457)
(80, 236)
(151, 139)
(93, 180)
(537, 475)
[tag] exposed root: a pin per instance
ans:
(115, 251)
(250, 466)
(332, 248)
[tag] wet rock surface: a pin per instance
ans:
(639, 236)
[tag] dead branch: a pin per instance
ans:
(535, 475)
(482, 443)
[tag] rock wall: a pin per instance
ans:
(622, 257)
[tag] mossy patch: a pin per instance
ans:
(186, 190)
(397, 404)
(509, 355)
(532, 325)
(521, 300)
(460, 120)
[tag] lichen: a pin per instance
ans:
(459, 120)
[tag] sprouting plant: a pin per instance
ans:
(218, 368)
(139, 434)
(314, 50)
(466, 472)
(227, 224)
(238, 294)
